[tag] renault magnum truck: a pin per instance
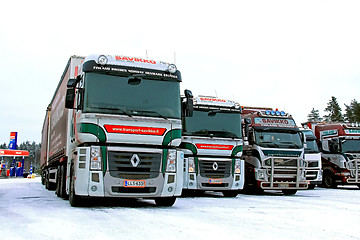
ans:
(212, 143)
(274, 157)
(112, 129)
(313, 157)
(340, 152)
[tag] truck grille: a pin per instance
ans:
(354, 167)
(284, 173)
(120, 165)
(207, 170)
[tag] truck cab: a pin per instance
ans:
(113, 128)
(212, 143)
(340, 153)
(274, 155)
(313, 157)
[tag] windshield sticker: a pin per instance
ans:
(328, 133)
(274, 122)
(135, 130)
(352, 131)
(214, 146)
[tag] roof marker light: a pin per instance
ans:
(172, 68)
(273, 112)
(277, 113)
(267, 112)
(102, 60)
(282, 113)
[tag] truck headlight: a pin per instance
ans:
(237, 166)
(95, 158)
(171, 161)
(191, 165)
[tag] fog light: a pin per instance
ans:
(170, 189)
(236, 184)
(102, 60)
(93, 188)
(191, 183)
(172, 68)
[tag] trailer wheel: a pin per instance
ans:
(329, 179)
(230, 193)
(289, 191)
(75, 200)
(165, 201)
(43, 180)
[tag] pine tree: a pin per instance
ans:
(334, 111)
(352, 111)
(314, 116)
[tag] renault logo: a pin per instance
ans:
(215, 166)
(135, 160)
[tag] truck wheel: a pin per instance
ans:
(311, 186)
(60, 182)
(231, 193)
(43, 177)
(74, 199)
(165, 201)
(329, 179)
(289, 191)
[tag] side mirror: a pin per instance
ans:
(334, 146)
(70, 97)
(189, 104)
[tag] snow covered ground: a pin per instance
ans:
(28, 211)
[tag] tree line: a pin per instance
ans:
(334, 112)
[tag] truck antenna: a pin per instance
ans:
(174, 57)
(216, 93)
(146, 54)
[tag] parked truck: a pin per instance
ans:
(112, 129)
(274, 156)
(212, 143)
(313, 157)
(340, 153)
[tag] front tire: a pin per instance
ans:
(165, 201)
(230, 194)
(329, 179)
(75, 200)
(289, 191)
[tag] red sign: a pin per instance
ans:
(9, 152)
(134, 130)
(214, 146)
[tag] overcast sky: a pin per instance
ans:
(291, 55)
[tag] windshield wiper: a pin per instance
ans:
(156, 113)
(202, 132)
(293, 145)
(114, 109)
(269, 144)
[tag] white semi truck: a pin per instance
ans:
(212, 143)
(112, 129)
(312, 155)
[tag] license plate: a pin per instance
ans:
(283, 185)
(134, 183)
(215, 181)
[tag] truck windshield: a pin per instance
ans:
(278, 139)
(143, 97)
(210, 124)
(311, 146)
(350, 145)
